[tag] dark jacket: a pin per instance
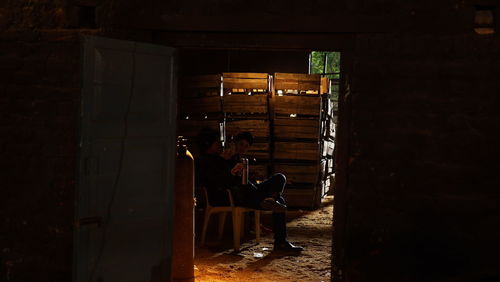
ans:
(214, 173)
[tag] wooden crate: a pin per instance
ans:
(200, 106)
(245, 104)
(328, 148)
(299, 173)
(258, 127)
(290, 128)
(330, 166)
(308, 151)
(259, 151)
(325, 85)
(297, 105)
(297, 81)
(248, 82)
(325, 187)
(329, 129)
(200, 85)
(302, 198)
(191, 128)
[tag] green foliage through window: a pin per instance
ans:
(328, 65)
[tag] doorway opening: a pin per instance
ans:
(127, 150)
(294, 131)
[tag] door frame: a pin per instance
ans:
(335, 42)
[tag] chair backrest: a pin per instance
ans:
(207, 201)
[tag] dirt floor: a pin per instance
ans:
(257, 262)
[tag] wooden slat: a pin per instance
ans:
(200, 105)
(297, 81)
(325, 85)
(246, 83)
(296, 85)
(330, 166)
(296, 151)
(299, 173)
(328, 147)
(245, 75)
(297, 76)
(241, 103)
(258, 128)
(259, 151)
(302, 105)
(300, 198)
(296, 128)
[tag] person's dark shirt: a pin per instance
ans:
(214, 173)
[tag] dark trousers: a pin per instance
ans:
(273, 187)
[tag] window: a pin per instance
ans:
(328, 65)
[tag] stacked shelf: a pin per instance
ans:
(297, 130)
(329, 114)
(200, 106)
(245, 103)
(291, 117)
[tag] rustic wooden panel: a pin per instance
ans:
(296, 85)
(245, 75)
(302, 105)
(191, 128)
(330, 166)
(297, 76)
(241, 103)
(200, 105)
(259, 151)
(296, 151)
(246, 81)
(330, 129)
(326, 184)
(300, 198)
(299, 173)
(258, 128)
(325, 85)
(296, 128)
(297, 81)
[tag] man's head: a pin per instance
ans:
(243, 141)
(209, 141)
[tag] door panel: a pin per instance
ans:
(127, 160)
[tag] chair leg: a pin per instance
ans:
(205, 225)
(222, 219)
(236, 229)
(242, 224)
(257, 225)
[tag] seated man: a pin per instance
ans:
(218, 174)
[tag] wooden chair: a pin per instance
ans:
(237, 216)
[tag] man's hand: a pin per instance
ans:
(229, 152)
(237, 169)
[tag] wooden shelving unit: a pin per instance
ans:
(289, 115)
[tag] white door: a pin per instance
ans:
(127, 157)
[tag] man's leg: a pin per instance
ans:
(272, 187)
